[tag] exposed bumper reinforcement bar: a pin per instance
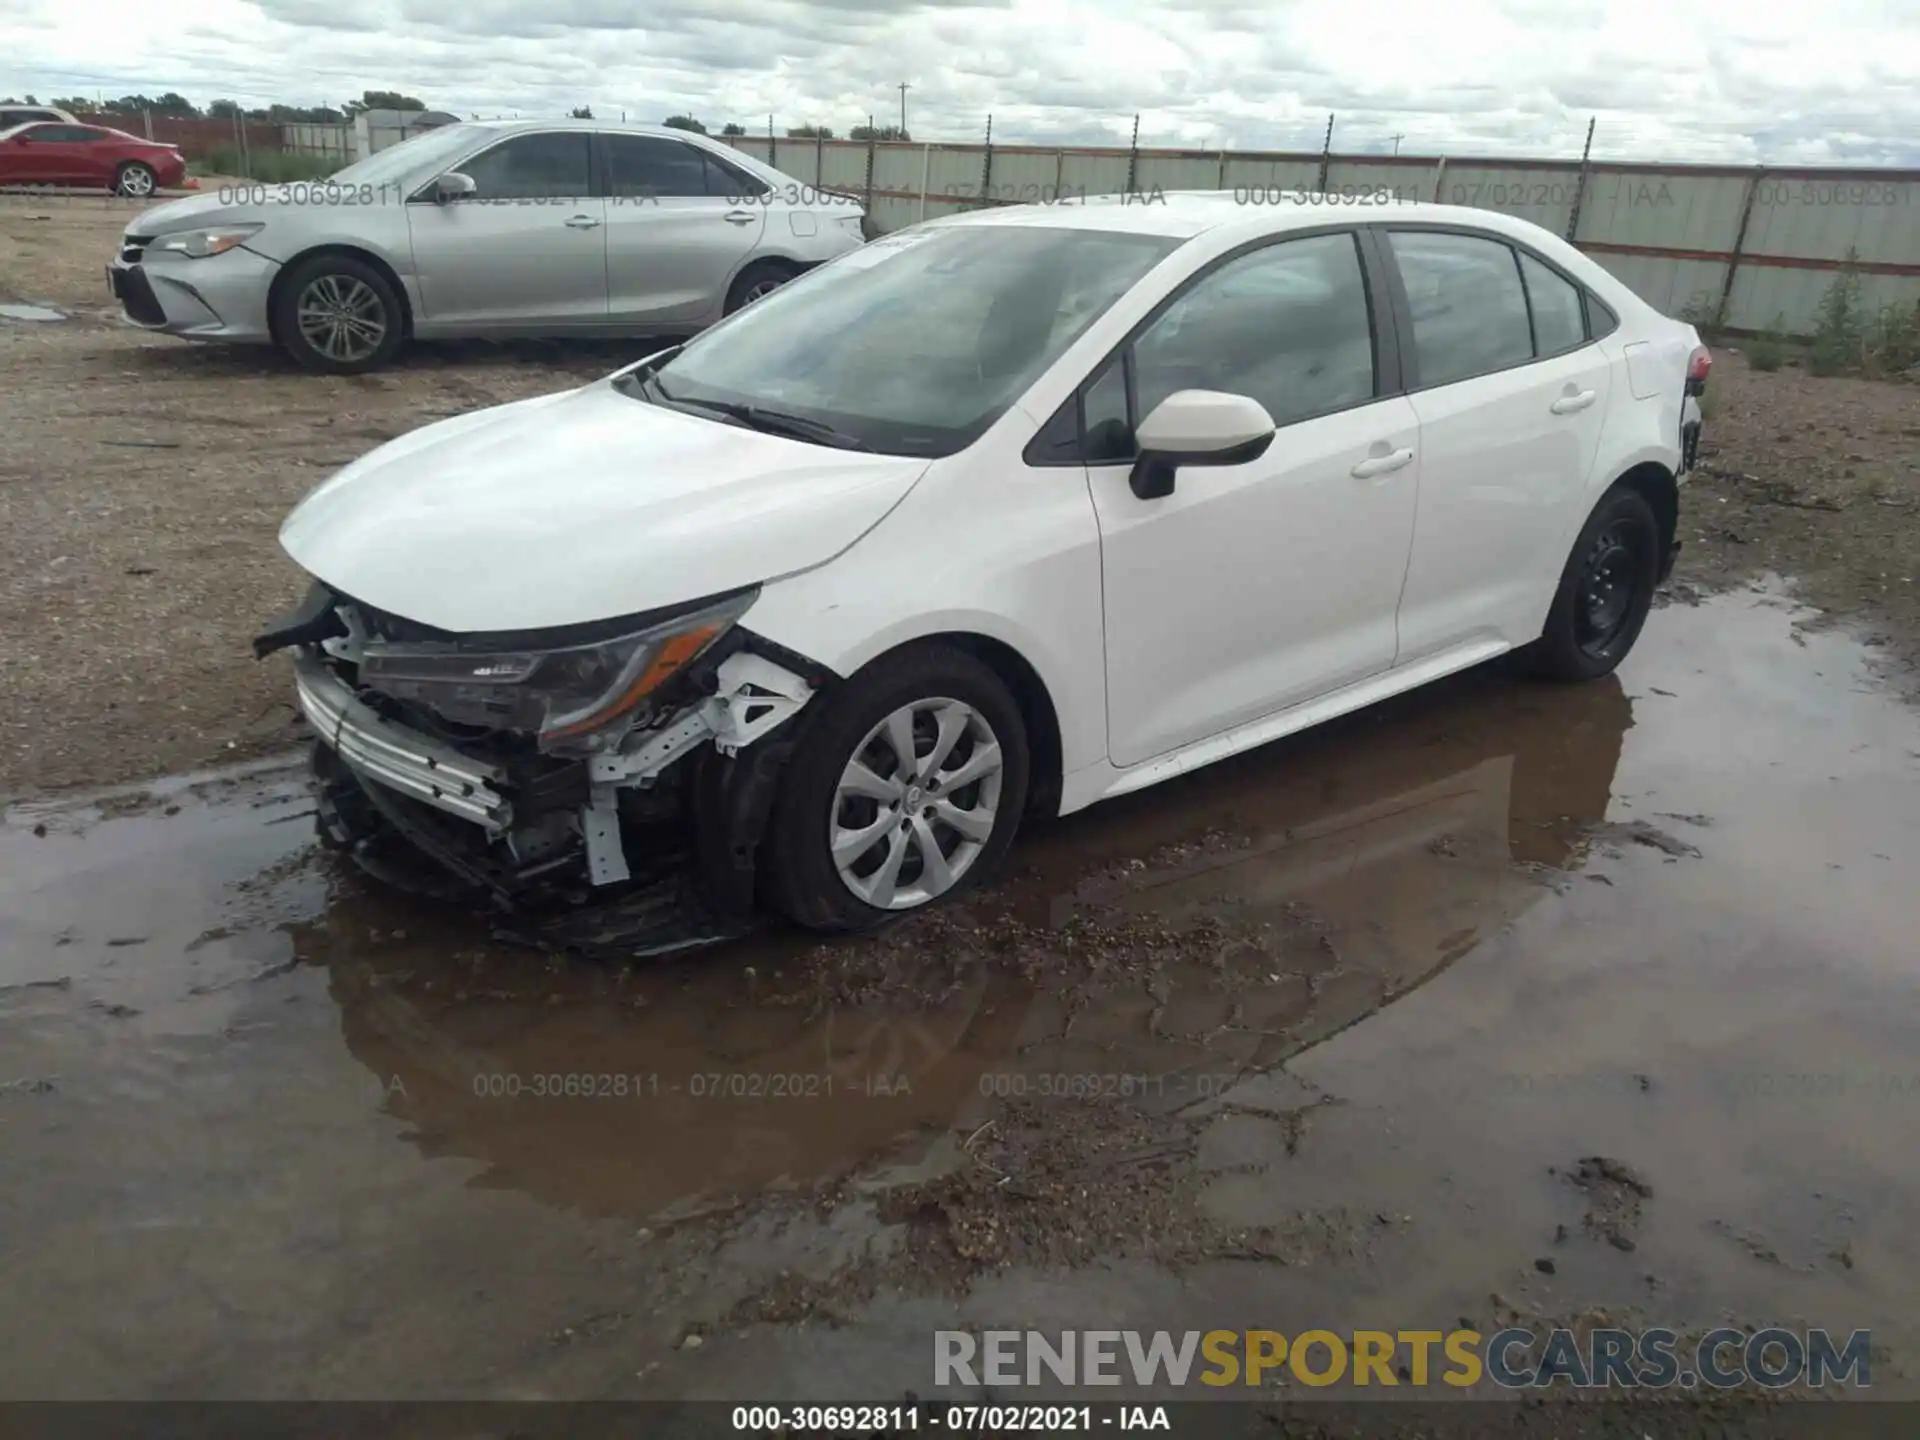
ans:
(416, 765)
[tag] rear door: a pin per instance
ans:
(680, 222)
(527, 250)
(1510, 396)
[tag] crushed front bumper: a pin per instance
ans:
(416, 765)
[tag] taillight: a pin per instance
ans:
(1699, 365)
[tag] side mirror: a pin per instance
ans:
(452, 186)
(1197, 427)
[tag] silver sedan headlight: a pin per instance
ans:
(199, 244)
(574, 699)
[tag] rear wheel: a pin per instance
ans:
(337, 315)
(757, 281)
(905, 789)
(1605, 591)
(135, 181)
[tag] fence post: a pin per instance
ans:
(986, 165)
(146, 117)
(773, 153)
(819, 157)
(869, 170)
(1220, 182)
(1059, 173)
(1739, 244)
(926, 172)
(1439, 178)
(1326, 155)
(1133, 155)
(1580, 190)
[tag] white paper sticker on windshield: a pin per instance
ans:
(874, 251)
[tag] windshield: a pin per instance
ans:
(916, 343)
(417, 152)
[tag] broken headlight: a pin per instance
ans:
(575, 699)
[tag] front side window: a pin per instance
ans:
(1469, 308)
(916, 343)
(1287, 325)
(551, 166)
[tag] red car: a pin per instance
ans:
(52, 153)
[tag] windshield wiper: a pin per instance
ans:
(758, 417)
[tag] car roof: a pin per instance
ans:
(622, 127)
(1183, 214)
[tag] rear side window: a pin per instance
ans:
(1469, 307)
(1558, 325)
(640, 165)
(533, 167)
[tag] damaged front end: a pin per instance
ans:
(605, 785)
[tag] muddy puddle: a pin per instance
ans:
(1358, 1007)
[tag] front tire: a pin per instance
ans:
(135, 181)
(336, 315)
(905, 789)
(1605, 591)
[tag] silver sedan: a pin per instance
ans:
(496, 229)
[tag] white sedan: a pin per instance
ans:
(1001, 515)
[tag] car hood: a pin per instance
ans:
(581, 506)
(242, 202)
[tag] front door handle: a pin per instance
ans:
(582, 222)
(739, 217)
(1578, 400)
(1382, 464)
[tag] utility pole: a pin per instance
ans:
(1397, 138)
(904, 87)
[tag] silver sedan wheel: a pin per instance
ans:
(916, 804)
(136, 181)
(342, 317)
(759, 290)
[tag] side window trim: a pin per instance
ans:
(424, 192)
(1381, 328)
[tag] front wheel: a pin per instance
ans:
(135, 181)
(337, 315)
(904, 790)
(1605, 591)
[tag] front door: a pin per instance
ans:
(679, 223)
(527, 250)
(1255, 587)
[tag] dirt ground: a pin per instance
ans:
(143, 480)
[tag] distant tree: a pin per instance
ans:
(383, 100)
(732, 129)
(811, 132)
(685, 122)
(581, 112)
(303, 114)
(173, 103)
(73, 104)
(224, 109)
(878, 132)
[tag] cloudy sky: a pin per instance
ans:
(1741, 80)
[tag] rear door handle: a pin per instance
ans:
(1579, 400)
(1382, 464)
(582, 222)
(739, 217)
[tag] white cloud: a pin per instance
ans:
(1711, 80)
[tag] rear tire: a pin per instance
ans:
(1605, 592)
(846, 783)
(336, 315)
(135, 181)
(758, 280)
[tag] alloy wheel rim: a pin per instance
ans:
(342, 317)
(1609, 589)
(136, 181)
(916, 804)
(760, 289)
